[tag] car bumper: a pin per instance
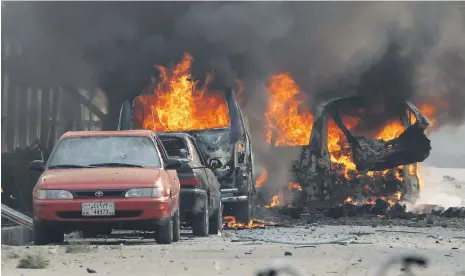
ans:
(126, 209)
(192, 200)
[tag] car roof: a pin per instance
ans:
(175, 134)
(76, 134)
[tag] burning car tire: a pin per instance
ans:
(216, 221)
(201, 222)
(44, 235)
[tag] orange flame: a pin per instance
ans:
(294, 186)
(176, 103)
(230, 222)
(274, 202)
(261, 179)
(284, 122)
(349, 200)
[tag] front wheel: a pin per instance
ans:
(164, 232)
(44, 234)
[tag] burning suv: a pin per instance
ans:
(359, 152)
(213, 117)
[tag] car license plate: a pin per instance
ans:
(98, 209)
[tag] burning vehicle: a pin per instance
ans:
(177, 103)
(351, 150)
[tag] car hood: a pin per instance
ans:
(217, 143)
(103, 178)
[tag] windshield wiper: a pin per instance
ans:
(116, 165)
(70, 166)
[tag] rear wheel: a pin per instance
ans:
(201, 222)
(244, 211)
(44, 234)
(216, 221)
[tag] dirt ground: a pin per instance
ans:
(372, 242)
(233, 253)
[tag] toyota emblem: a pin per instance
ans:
(98, 193)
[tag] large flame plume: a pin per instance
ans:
(176, 103)
(289, 123)
(287, 119)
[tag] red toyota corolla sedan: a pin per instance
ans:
(96, 181)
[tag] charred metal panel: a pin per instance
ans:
(320, 179)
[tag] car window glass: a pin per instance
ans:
(175, 147)
(195, 153)
(85, 151)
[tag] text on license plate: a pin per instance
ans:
(98, 209)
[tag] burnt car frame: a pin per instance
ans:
(232, 146)
(200, 202)
(314, 170)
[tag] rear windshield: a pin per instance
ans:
(176, 147)
(123, 150)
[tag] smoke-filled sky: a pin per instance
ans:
(326, 46)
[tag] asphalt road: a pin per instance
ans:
(229, 254)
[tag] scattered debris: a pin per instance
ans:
(33, 262)
(383, 208)
(78, 249)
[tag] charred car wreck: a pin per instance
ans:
(343, 162)
(231, 145)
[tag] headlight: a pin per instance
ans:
(53, 194)
(145, 192)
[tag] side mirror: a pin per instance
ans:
(215, 163)
(37, 165)
(172, 164)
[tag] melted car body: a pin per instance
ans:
(381, 167)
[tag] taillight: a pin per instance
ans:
(240, 151)
(193, 181)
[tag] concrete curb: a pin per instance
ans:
(16, 235)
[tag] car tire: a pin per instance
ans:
(244, 211)
(201, 222)
(176, 226)
(164, 233)
(216, 220)
(44, 235)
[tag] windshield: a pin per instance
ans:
(103, 151)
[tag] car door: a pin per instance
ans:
(197, 166)
(213, 184)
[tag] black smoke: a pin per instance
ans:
(331, 48)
